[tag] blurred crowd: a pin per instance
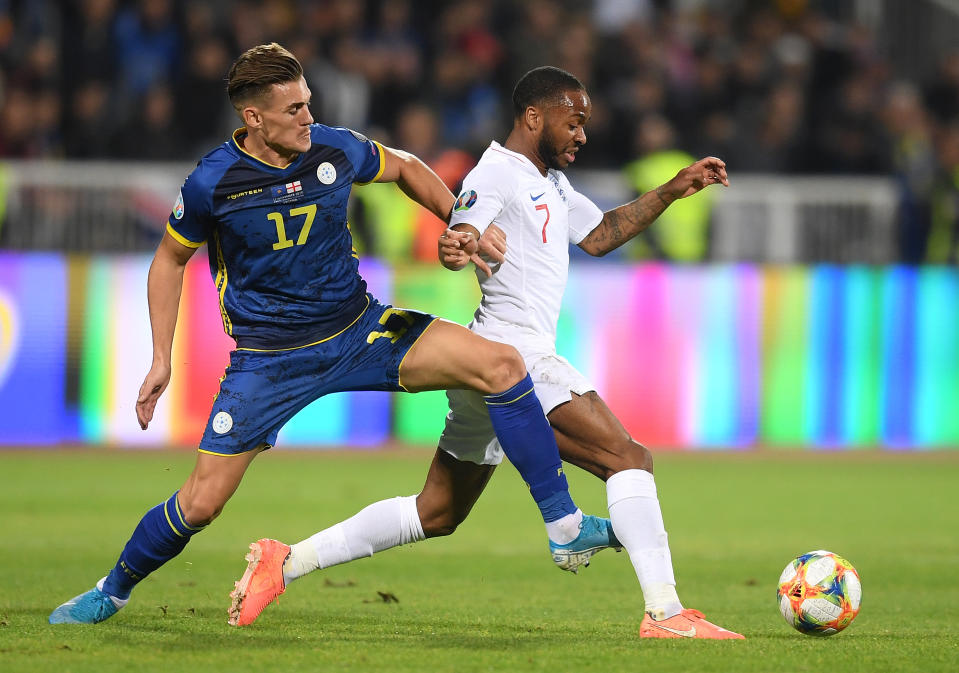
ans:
(781, 86)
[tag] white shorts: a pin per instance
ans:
(469, 433)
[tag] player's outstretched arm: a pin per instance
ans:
(623, 223)
(164, 285)
(418, 181)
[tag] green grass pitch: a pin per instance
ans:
(487, 598)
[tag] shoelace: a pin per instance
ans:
(102, 606)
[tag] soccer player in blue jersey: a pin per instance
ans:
(271, 205)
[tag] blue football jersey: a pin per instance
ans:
(281, 253)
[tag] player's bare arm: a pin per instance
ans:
(164, 285)
(462, 243)
(623, 223)
(418, 181)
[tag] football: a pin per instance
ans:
(819, 593)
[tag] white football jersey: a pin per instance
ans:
(541, 216)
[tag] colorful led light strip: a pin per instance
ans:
(718, 356)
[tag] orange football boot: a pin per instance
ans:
(687, 624)
(261, 584)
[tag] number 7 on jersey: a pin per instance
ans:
(543, 206)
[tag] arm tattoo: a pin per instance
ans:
(623, 223)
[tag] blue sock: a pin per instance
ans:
(529, 443)
(161, 534)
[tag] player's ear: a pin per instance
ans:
(251, 117)
(533, 118)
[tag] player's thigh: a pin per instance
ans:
(591, 437)
(452, 488)
(448, 355)
(213, 481)
(259, 392)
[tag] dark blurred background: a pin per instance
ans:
(851, 87)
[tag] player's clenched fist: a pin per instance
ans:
(455, 248)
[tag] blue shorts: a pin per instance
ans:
(262, 390)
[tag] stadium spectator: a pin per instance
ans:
(47, 127)
(343, 90)
(942, 93)
(849, 138)
(40, 66)
(88, 51)
(776, 141)
(393, 52)
(201, 87)
(682, 234)
(153, 134)
(148, 45)
(17, 127)
(531, 40)
(913, 162)
(943, 244)
(90, 127)
(247, 21)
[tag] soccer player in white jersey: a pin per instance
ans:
(518, 191)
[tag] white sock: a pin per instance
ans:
(117, 602)
(382, 525)
(566, 529)
(638, 523)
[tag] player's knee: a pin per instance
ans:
(625, 454)
(440, 527)
(505, 370)
(439, 523)
(631, 455)
(200, 511)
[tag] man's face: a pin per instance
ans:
(285, 117)
(564, 129)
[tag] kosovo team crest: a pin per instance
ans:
(465, 201)
(326, 173)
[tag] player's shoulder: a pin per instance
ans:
(508, 165)
(500, 157)
(336, 136)
(358, 150)
(210, 169)
(497, 169)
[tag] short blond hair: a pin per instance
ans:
(259, 68)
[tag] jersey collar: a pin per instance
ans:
(272, 168)
(527, 164)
